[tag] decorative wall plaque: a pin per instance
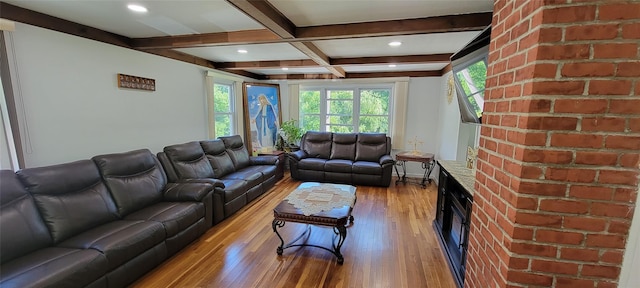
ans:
(135, 82)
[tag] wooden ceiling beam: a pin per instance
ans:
(435, 73)
(266, 64)
(301, 77)
(439, 24)
(176, 55)
(22, 15)
(428, 58)
(263, 12)
(256, 36)
(267, 15)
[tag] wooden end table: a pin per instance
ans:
(336, 199)
(426, 159)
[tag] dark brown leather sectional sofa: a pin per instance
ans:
(224, 162)
(352, 158)
(96, 223)
(107, 221)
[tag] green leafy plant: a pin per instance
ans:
(291, 133)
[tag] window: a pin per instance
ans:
(223, 109)
(472, 81)
(346, 110)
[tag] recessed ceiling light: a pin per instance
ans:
(137, 8)
(242, 51)
(285, 68)
(395, 43)
(392, 65)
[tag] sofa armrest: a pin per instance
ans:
(187, 191)
(264, 160)
(298, 155)
(386, 160)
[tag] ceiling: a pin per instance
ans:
(313, 39)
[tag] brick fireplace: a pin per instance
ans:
(557, 176)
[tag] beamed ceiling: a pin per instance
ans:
(312, 39)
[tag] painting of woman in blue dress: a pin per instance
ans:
(266, 122)
(264, 115)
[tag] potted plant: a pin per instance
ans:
(291, 134)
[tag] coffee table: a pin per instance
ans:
(321, 204)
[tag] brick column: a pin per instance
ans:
(558, 163)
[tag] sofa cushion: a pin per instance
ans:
(54, 267)
(344, 146)
(317, 144)
(71, 197)
(312, 164)
(371, 146)
(267, 171)
(174, 216)
(365, 167)
(218, 157)
(338, 165)
(189, 161)
(22, 230)
(251, 176)
(234, 188)
(120, 241)
(238, 153)
(134, 179)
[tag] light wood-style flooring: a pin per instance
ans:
(391, 244)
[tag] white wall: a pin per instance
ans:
(423, 111)
(448, 122)
(74, 110)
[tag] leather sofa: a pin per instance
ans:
(225, 163)
(102, 222)
(351, 158)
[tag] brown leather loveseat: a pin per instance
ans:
(352, 158)
(102, 222)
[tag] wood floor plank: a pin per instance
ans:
(390, 244)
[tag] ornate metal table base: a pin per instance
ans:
(318, 195)
(338, 239)
(426, 159)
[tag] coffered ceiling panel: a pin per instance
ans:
(112, 15)
(398, 67)
(325, 12)
(411, 45)
(256, 52)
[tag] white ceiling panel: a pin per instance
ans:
(256, 52)
(305, 70)
(325, 12)
(113, 16)
(399, 67)
(411, 45)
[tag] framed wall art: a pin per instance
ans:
(262, 116)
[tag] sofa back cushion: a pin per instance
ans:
(372, 146)
(134, 179)
(71, 197)
(22, 230)
(237, 151)
(344, 146)
(189, 161)
(317, 144)
(218, 157)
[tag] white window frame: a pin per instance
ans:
(356, 103)
(232, 105)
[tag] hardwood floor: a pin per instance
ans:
(390, 244)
